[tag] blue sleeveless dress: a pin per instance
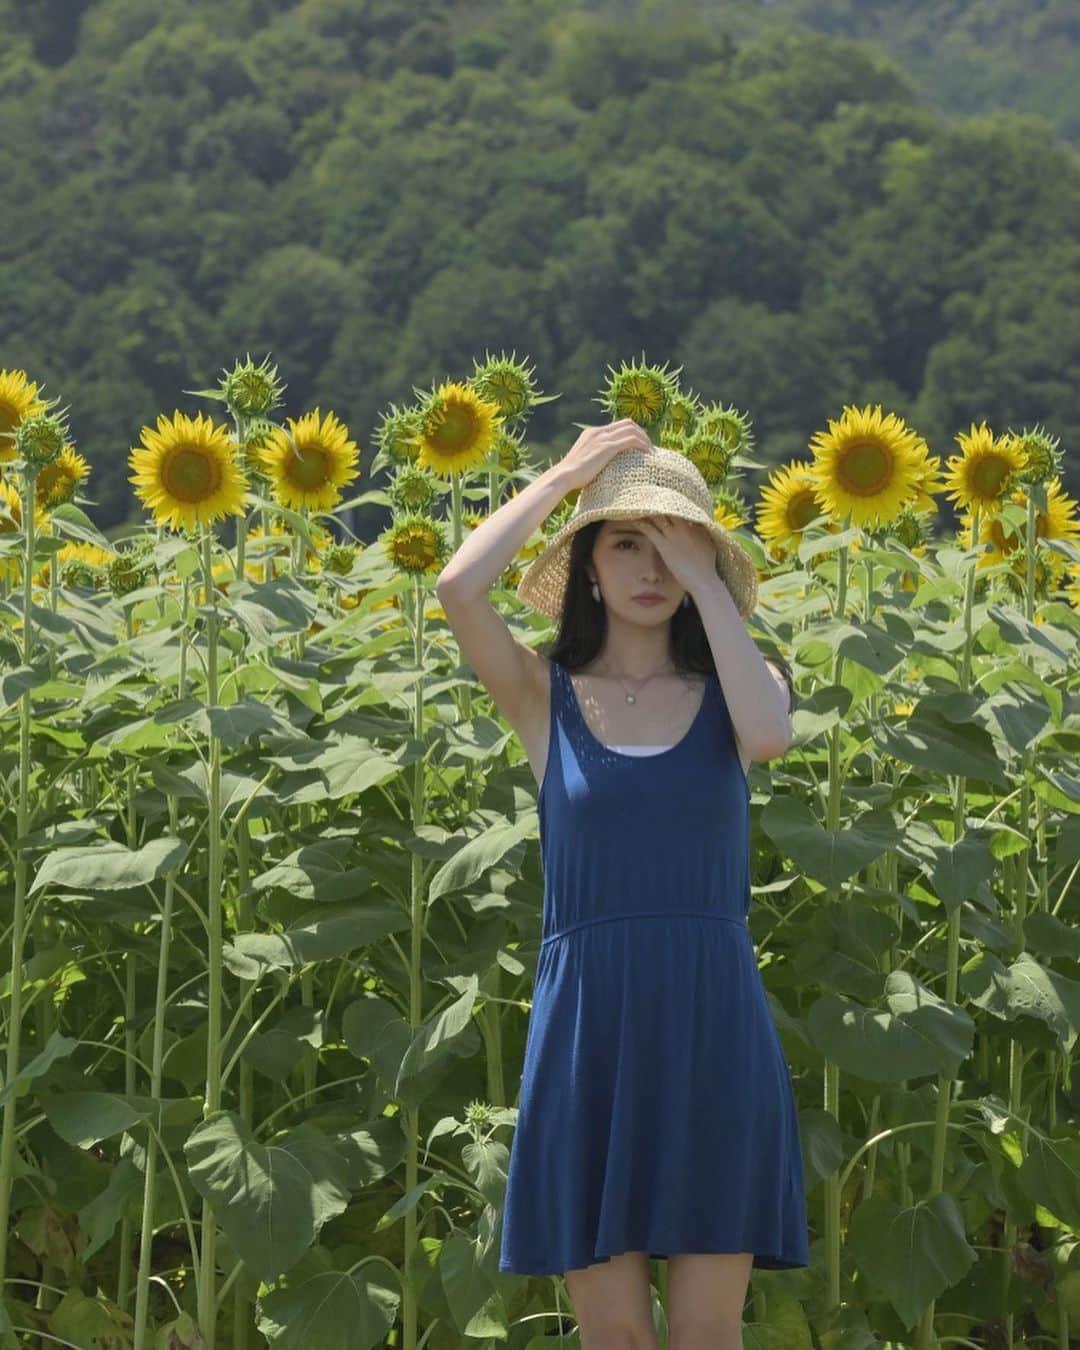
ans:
(656, 1110)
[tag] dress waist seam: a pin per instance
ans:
(738, 921)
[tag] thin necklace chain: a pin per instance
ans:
(632, 697)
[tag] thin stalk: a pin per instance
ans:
(146, 1237)
(18, 922)
(925, 1338)
(207, 1290)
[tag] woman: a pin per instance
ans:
(656, 1116)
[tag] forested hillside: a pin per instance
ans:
(964, 56)
(969, 56)
(375, 193)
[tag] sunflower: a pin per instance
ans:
(1058, 521)
(865, 466)
(682, 415)
(395, 438)
(641, 392)
(58, 481)
(418, 544)
(186, 472)
(788, 504)
(707, 451)
(10, 521)
(982, 473)
(18, 399)
(411, 489)
(727, 511)
(731, 425)
(927, 477)
(457, 430)
(508, 383)
(77, 563)
(1048, 573)
(509, 453)
(309, 464)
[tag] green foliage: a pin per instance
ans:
(369, 189)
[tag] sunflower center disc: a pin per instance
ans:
(192, 476)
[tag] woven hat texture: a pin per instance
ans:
(639, 483)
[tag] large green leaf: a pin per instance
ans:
(948, 1030)
(409, 1062)
(829, 856)
(481, 853)
(271, 1199)
(1025, 989)
(942, 744)
(874, 1043)
(913, 1253)
(785, 1327)
(85, 1118)
(436, 1036)
(268, 610)
(318, 872)
(109, 865)
(1050, 1174)
(371, 1150)
(335, 1310)
(840, 948)
(1048, 935)
(823, 1143)
(99, 1217)
(18, 680)
(475, 1304)
(956, 872)
(488, 1161)
(374, 1029)
(56, 1047)
(317, 936)
(345, 765)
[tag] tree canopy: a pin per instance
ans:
(375, 193)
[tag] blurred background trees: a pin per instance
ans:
(802, 203)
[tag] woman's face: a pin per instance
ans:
(625, 563)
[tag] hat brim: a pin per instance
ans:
(543, 583)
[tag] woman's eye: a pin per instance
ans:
(625, 541)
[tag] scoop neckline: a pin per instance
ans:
(619, 754)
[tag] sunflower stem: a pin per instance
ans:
(146, 1236)
(18, 920)
(207, 1299)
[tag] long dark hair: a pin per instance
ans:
(583, 623)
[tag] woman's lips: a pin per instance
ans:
(649, 599)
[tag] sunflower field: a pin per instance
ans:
(271, 891)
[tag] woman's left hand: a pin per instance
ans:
(686, 547)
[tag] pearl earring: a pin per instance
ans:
(595, 591)
(686, 600)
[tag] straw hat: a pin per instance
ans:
(639, 483)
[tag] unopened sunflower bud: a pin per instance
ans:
(908, 529)
(339, 558)
(508, 384)
(250, 390)
(40, 438)
(411, 489)
(128, 571)
(76, 572)
(1040, 454)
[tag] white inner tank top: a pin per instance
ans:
(639, 749)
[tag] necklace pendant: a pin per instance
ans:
(630, 698)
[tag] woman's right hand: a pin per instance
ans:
(597, 446)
